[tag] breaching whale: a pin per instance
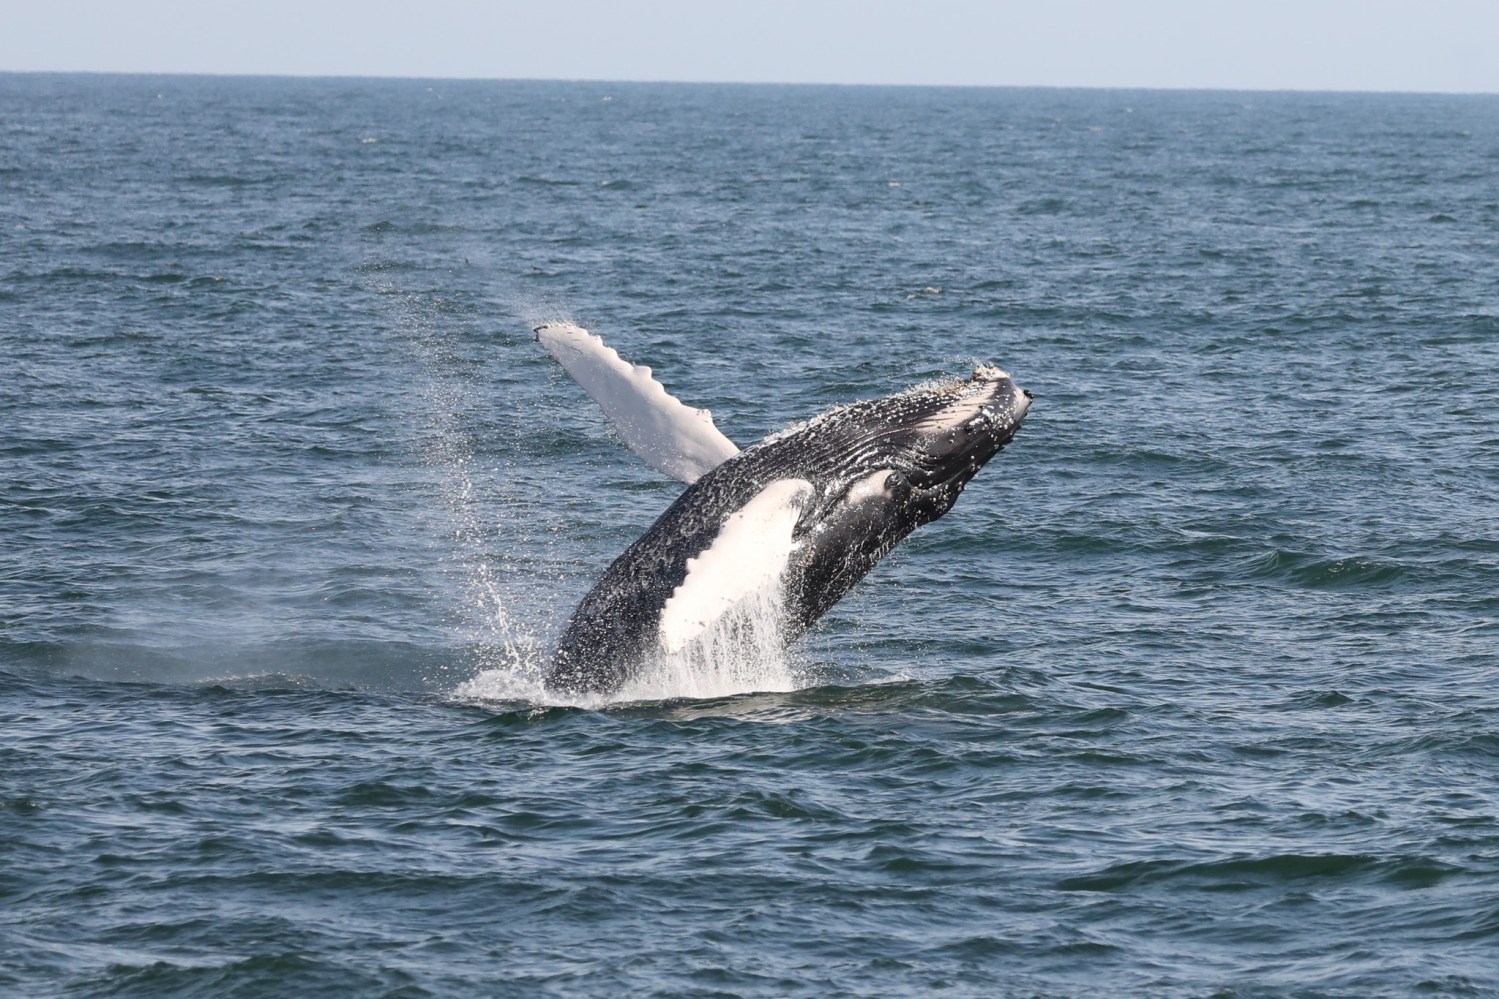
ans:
(804, 514)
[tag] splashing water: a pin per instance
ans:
(743, 651)
(482, 512)
(473, 526)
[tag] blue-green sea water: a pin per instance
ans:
(1192, 694)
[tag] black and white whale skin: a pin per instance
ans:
(805, 513)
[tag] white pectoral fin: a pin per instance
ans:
(749, 554)
(673, 438)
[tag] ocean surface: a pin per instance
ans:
(1194, 693)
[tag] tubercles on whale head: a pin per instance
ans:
(990, 394)
(951, 429)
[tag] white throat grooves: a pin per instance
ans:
(748, 557)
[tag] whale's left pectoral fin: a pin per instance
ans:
(748, 556)
(673, 438)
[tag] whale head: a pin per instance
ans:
(933, 439)
(883, 467)
(944, 434)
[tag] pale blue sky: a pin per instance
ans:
(1427, 45)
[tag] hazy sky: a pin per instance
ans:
(1436, 45)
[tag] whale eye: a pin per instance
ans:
(880, 485)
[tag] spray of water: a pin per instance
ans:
(475, 508)
(502, 603)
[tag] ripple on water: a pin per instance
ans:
(1190, 694)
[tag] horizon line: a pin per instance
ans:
(393, 77)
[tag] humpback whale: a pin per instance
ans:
(799, 517)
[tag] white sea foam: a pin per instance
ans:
(517, 681)
(741, 650)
